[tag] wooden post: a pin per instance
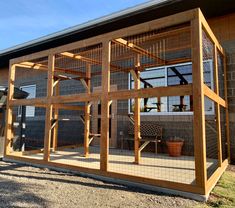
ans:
(9, 110)
(48, 130)
(217, 107)
(137, 120)
(198, 103)
(87, 113)
(104, 143)
(56, 117)
(159, 105)
(136, 77)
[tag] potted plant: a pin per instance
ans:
(174, 146)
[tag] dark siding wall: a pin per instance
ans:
(224, 29)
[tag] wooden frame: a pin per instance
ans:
(56, 101)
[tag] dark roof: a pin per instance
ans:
(161, 8)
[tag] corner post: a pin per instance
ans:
(49, 107)
(198, 103)
(217, 107)
(9, 110)
(104, 151)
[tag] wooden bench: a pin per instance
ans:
(149, 132)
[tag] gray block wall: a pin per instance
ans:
(230, 52)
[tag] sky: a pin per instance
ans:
(25, 20)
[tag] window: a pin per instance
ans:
(30, 110)
(170, 76)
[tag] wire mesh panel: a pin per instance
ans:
(167, 142)
(74, 67)
(31, 76)
(163, 58)
(149, 50)
(211, 136)
(68, 139)
(208, 53)
(28, 131)
(220, 64)
(224, 138)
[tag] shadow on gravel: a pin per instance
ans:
(55, 176)
(13, 194)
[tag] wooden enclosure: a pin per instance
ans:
(151, 44)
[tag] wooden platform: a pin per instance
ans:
(154, 166)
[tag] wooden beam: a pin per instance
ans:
(9, 110)
(104, 142)
(56, 117)
(178, 90)
(217, 106)
(138, 49)
(68, 107)
(81, 58)
(87, 112)
(40, 102)
(82, 97)
(198, 103)
(213, 96)
(49, 108)
(61, 77)
(136, 77)
(31, 65)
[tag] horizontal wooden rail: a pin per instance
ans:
(31, 65)
(68, 107)
(38, 102)
(83, 97)
(179, 90)
(213, 96)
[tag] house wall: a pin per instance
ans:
(224, 29)
(3, 76)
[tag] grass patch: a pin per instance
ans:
(223, 195)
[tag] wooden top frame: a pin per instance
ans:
(164, 22)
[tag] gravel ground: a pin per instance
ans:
(26, 186)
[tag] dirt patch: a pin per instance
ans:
(231, 168)
(26, 186)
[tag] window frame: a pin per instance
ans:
(212, 112)
(19, 108)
